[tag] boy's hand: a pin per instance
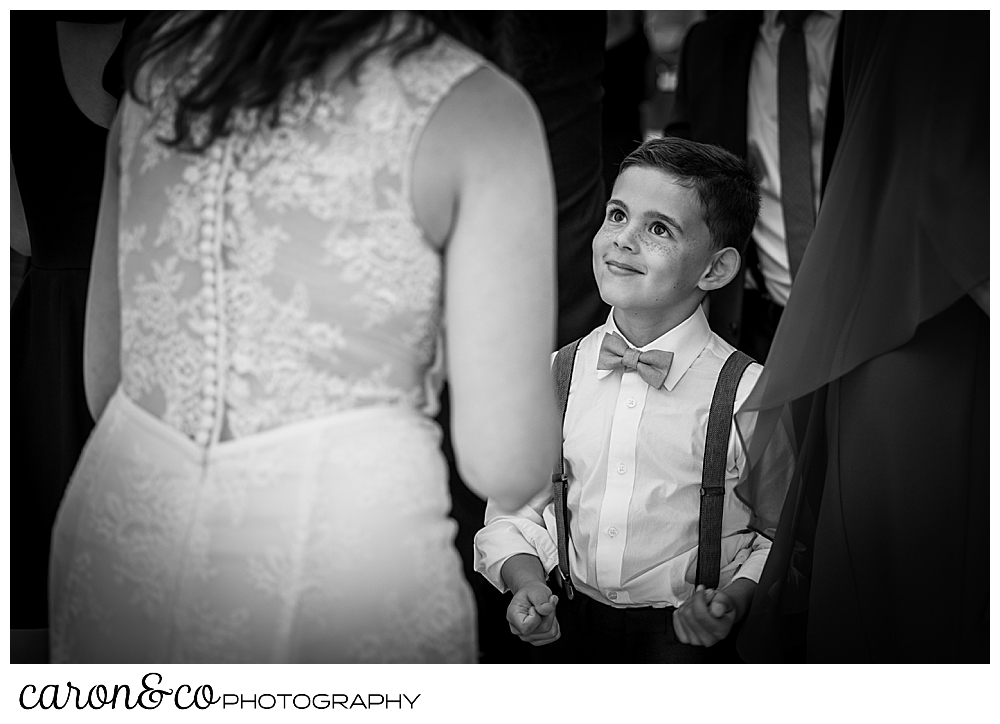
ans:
(532, 614)
(706, 618)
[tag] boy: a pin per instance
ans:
(635, 432)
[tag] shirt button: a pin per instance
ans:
(621, 468)
(209, 198)
(630, 402)
(208, 406)
(211, 325)
(613, 595)
(214, 168)
(207, 230)
(205, 247)
(211, 340)
(201, 437)
(209, 389)
(208, 276)
(206, 261)
(209, 374)
(612, 531)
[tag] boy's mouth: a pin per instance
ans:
(618, 267)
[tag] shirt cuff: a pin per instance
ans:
(502, 539)
(754, 564)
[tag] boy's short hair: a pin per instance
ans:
(725, 183)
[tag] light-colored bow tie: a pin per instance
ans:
(652, 365)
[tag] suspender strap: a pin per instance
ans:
(713, 476)
(562, 372)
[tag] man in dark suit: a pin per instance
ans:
(767, 86)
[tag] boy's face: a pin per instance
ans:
(654, 246)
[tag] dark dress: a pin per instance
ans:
(58, 157)
(882, 359)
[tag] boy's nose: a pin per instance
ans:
(625, 240)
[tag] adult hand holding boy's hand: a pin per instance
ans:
(532, 611)
(708, 616)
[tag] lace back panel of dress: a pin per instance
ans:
(281, 275)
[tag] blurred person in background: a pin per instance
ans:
(627, 84)
(881, 365)
(767, 86)
(65, 83)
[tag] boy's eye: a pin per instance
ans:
(616, 215)
(659, 229)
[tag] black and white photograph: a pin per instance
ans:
(503, 337)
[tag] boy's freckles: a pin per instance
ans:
(655, 248)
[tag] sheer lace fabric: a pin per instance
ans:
(281, 275)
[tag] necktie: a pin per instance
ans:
(794, 138)
(652, 365)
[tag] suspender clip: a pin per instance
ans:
(567, 585)
(712, 491)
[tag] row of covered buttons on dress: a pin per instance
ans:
(208, 256)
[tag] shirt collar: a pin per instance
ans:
(686, 341)
(771, 16)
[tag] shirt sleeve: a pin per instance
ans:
(754, 564)
(506, 534)
(736, 454)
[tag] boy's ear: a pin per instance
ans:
(724, 267)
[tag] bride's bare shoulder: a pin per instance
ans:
(487, 131)
(486, 107)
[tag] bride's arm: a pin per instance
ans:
(102, 327)
(483, 186)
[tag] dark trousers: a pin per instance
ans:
(595, 633)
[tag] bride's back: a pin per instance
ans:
(283, 267)
(302, 257)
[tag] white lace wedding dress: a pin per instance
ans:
(266, 484)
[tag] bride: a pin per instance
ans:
(307, 219)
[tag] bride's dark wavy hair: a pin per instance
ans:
(258, 54)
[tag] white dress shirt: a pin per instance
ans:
(634, 462)
(820, 30)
